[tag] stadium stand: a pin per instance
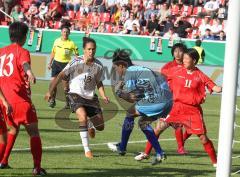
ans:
(50, 14)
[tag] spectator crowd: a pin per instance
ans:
(203, 19)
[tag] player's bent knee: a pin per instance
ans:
(143, 123)
(100, 127)
(32, 129)
(161, 126)
(13, 130)
(203, 138)
(33, 132)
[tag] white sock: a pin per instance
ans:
(85, 142)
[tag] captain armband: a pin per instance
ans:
(26, 67)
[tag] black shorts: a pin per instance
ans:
(92, 107)
(57, 67)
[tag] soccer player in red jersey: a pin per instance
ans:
(177, 52)
(15, 78)
(188, 85)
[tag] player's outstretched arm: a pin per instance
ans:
(28, 71)
(5, 103)
(217, 89)
(53, 85)
(102, 92)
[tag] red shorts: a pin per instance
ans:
(191, 117)
(23, 113)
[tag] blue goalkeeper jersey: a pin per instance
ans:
(151, 89)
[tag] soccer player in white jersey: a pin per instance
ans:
(84, 74)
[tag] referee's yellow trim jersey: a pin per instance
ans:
(63, 50)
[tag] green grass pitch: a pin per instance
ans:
(64, 157)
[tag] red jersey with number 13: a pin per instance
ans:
(13, 80)
(189, 87)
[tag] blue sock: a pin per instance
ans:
(127, 128)
(149, 133)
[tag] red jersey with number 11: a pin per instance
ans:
(189, 87)
(13, 80)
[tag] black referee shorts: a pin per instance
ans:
(57, 67)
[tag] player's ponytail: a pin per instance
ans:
(122, 55)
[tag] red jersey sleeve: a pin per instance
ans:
(207, 81)
(24, 57)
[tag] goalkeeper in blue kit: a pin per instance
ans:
(151, 96)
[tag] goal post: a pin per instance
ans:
(227, 116)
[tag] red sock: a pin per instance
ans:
(186, 135)
(209, 148)
(179, 137)
(36, 149)
(10, 143)
(2, 150)
(148, 147)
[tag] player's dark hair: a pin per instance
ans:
(17, 32)
(121, 55)
(193, 53)
(198, 42)
(88, 40)
(181, 46)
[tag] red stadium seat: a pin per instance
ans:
(104, 17)
(4, 23)
(198, 22)
(175, 9)
(191, 20)
(57, 25)
(50, 24)
(109, 28)
(26, 4)
(193, 34)
(186, 10)
(78, 15)
(71, 14)
(116, 28)
(222, 1)
(211, 22)
(197, 10)
(112, 20)
(223, 24)
(89, 15)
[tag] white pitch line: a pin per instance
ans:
(236, 172)
(236, 157)
(98, 144)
